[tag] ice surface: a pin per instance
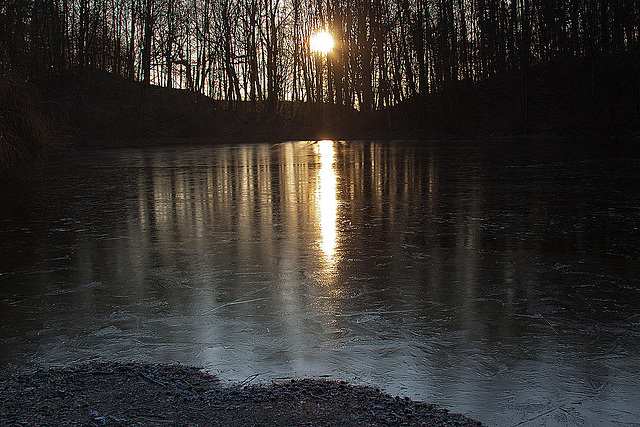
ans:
(497, 278)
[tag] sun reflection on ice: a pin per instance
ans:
(327, 201)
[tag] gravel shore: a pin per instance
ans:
(117, 394)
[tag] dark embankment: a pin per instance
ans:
(98, 109)
(140, 394)
(567, 97)
(27, 130)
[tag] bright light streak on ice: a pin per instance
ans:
(326, 197)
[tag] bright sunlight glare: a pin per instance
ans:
(327, 198)
(321, 42)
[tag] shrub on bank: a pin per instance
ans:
(26, 130)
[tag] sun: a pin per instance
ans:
(321, 42)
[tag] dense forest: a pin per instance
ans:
(255, 53)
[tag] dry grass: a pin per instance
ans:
(26, 130)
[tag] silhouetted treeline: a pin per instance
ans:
(257, 50)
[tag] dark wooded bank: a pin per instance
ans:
(258, 52)
(572, 97)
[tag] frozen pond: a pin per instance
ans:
(499, 279)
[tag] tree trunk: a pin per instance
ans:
(146, 44)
